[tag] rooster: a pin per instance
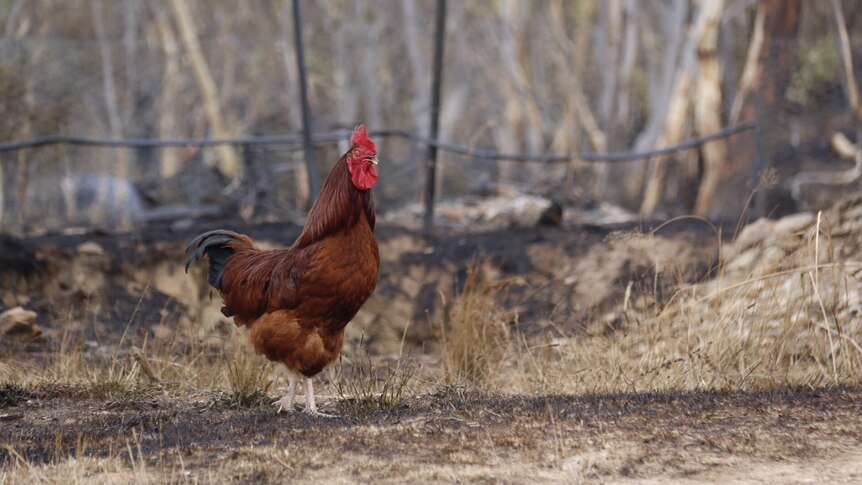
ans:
(297, 301)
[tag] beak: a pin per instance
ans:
(373, 160)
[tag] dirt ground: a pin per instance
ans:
(103, 301)
(788, 436)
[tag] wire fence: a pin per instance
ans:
(294, 149)
(497, 84)
(336, 136)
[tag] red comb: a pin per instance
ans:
(360, 139)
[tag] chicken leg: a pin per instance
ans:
(310, 406)
(286, 402)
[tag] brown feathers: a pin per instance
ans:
(297, 301)
(338, 207)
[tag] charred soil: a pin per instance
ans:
(618, 355)
(448, 435)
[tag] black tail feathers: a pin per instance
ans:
(219, 246)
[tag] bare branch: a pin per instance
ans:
(850, 85)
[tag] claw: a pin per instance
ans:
(284, 404)
(314, 412)
(310, 405)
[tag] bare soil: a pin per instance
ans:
(54, 430)
(452, 435)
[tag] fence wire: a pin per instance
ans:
(510, 115)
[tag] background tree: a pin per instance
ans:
(552, 77)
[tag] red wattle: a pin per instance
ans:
(365, 177)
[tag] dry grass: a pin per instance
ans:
(365, 384)
(181, 364)
(248, 378)
(474, 337)
(126, 464)
(786, 319)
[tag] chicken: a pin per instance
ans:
(297, 301)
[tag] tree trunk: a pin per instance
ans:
(611, 46)
(228, 160)
(508, 133)
(674, 130)
(119, 164)
(839, 142)
(285, 46)
(420, 68)
(10, 28)
(169, 160)
(851, 89)
(577, 115)
(767, 72)
(369, 66)
(663, 80)
(619, 50)
(301, 190)
(707, 106)
(454, 103)
(675, 109)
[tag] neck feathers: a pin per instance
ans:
(339, 206)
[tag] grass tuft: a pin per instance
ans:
(364, 387)
(237, 399)
(475, 335)
(248, 378)
(12, 395)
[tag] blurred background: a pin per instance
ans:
(561, 79)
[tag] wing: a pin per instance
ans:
(254, 282)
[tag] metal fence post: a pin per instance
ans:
(306, 108)
(436, 84)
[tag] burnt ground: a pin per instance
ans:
(100, 277)
(785, 435)
(455, 435)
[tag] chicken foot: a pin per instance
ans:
(286, 402)
(310, 405)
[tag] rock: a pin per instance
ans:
(744, 260)
(550, 259)
(793, 223)
(19, 324)
(767, 231)
(552, 216)
(754, 233)
(162, 332)
(88, 271)
(90, 248)
(600, 214)
(487, 213)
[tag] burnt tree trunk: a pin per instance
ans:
(769, 64)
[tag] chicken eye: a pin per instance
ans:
(357, 153)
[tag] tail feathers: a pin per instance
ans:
(218, 246)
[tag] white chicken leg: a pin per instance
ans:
(286, 402)
(310, 406)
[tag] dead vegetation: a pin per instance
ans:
(366, 384)
(663, 364)
(781, 308)
(475, 336)
(450, 435)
